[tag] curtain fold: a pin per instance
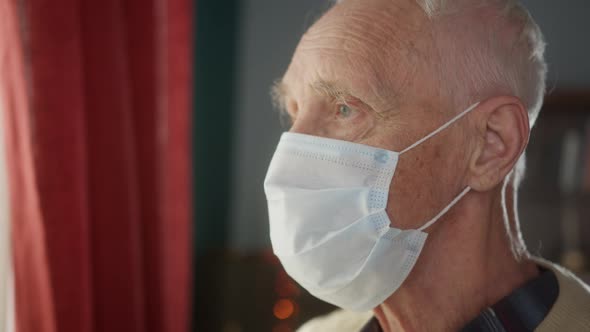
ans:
(97, 113)
(33, 302)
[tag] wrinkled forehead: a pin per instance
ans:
(378, 22)
(371, 46)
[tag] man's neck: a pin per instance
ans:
(466, 265)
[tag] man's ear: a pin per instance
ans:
(503, 129)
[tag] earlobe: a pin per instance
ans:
(504, 132)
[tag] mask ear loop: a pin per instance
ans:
(425, 138)
(445, 210)
(443, 127)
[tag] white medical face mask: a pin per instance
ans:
(328, 225)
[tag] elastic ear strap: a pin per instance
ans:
(445, 210)
(443, 127)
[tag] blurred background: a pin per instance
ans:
(135, 139)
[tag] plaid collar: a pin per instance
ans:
(521, 311)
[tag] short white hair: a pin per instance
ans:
(507, 54)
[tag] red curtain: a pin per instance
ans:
(96, 101)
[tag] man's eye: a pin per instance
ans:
(345, 111)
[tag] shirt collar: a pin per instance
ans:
(522, 310)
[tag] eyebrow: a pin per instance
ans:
(280, 91)
(330, 89)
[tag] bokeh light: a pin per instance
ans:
(284, 308)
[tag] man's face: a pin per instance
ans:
(361, 74)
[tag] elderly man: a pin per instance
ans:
(395, 189)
